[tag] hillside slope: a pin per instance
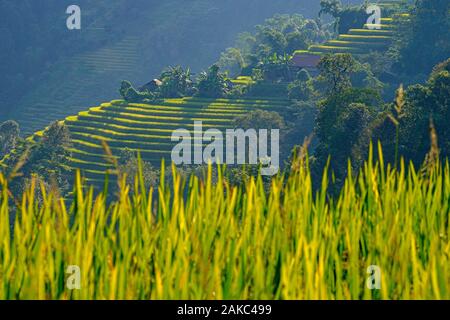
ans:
(147, 36)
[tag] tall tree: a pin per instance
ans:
(336, 70)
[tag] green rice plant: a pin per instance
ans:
(197, 239)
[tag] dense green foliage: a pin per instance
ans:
(278, 37)
(422, 105)
(336, 71)
(341, 128)
(302, 87)
(46, 158)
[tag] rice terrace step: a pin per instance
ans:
(356, 41)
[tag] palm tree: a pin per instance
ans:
(176, 82)
(212, 83)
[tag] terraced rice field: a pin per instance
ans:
(358, 41)
(86, 74)
(147, 128)
(363, 40)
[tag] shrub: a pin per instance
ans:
(130, 94)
